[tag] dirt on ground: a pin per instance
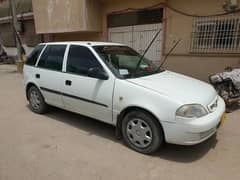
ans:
(65, 146)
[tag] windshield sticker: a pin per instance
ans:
(143, 66)
(123, 72)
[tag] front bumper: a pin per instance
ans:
(190, 132)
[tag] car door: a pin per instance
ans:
(86, 95)
(49, 73)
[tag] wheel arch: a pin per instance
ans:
(132, 108)
(29, 85)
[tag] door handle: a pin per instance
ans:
(37, 76)
(68, 82)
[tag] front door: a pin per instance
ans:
(82, 94)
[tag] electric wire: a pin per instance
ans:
(175, 10)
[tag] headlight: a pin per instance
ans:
(191, 111)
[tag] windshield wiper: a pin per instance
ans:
(164, 60)
(170, 51)
(146, 50)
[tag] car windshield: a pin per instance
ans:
(123, 61)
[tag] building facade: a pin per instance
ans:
(208, 43)
(29, 38)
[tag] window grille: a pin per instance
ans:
(216, 35)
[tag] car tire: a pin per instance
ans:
(36, 101)
(142, 132)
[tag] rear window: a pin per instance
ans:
(33, 57)
(52, 57)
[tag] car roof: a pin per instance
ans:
(84, 43)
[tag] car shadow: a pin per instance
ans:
(89, 125)
(183, 154)
(186, 154)
(233, 107)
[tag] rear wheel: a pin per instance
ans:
(36, 101)
(142, 132)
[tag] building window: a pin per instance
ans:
(216, 35)
(135, 18)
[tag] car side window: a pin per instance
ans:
(33, 57)
(52, 57)
(80, 60)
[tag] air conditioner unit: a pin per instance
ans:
(230, 5)
(233, 4)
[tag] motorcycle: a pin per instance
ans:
(3, 55)
(227, 84)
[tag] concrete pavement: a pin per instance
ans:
(61, 145)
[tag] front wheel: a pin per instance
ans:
(142, 132)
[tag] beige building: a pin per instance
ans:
(208, 44)
(29, 37)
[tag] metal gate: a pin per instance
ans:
(138, 37)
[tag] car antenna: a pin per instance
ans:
(146, 50)
(170, 51)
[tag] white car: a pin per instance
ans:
(148, 105)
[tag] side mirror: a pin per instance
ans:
(97, 73)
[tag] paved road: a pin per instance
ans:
(62, 145)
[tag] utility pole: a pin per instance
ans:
(16, 28)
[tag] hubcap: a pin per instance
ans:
(35, 100)
(139, 133)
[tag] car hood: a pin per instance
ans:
(179, 87)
